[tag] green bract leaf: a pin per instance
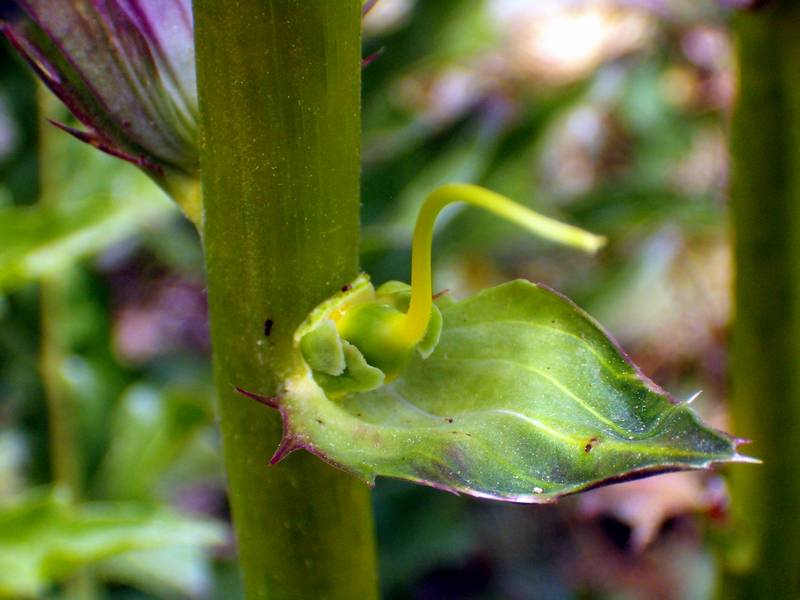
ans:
(43, 539)
(525, 398)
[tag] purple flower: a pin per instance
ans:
(125, 69)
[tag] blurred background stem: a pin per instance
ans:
(279, 86)
(65, 458)
(765, 556)
(63, 412)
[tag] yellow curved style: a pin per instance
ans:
(415, 322)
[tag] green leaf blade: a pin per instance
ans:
(525, 399)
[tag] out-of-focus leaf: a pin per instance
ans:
(440, 33)
(35, 241)
(150, 428)
(43, 539)
(97, 201)
(77, 361)
(182, 572)
(12, 455)
(525, 399)
(463, 160)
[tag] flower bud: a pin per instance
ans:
(362, 338)
(376, 328)
(355, 342)
(125, 69)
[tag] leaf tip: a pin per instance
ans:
(692, 398)
(743, 458)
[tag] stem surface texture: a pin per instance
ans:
(279, 87)
(764, 561)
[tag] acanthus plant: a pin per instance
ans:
(514, 394)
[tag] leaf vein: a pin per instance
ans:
(554, 382)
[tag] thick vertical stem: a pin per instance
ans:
(279, 85)
(765, 561)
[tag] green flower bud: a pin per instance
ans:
(375, 330)
(362, 338)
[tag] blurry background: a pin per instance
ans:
(607, 114)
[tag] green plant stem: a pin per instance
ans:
(63, 416)
(765, 558)
(65, 454)
(279, 86)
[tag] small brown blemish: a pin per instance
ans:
(590, 444)
(268, 327)
(347, 288)
(440, 294)
(449, 419)
(320, 421)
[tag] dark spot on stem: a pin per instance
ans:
(268, 327)
(320, 421)
(590, 444)
(449, 419)
(347, 288)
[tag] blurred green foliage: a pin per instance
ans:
(629, 143)
(42, 537)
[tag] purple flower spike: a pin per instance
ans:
(125, 69)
